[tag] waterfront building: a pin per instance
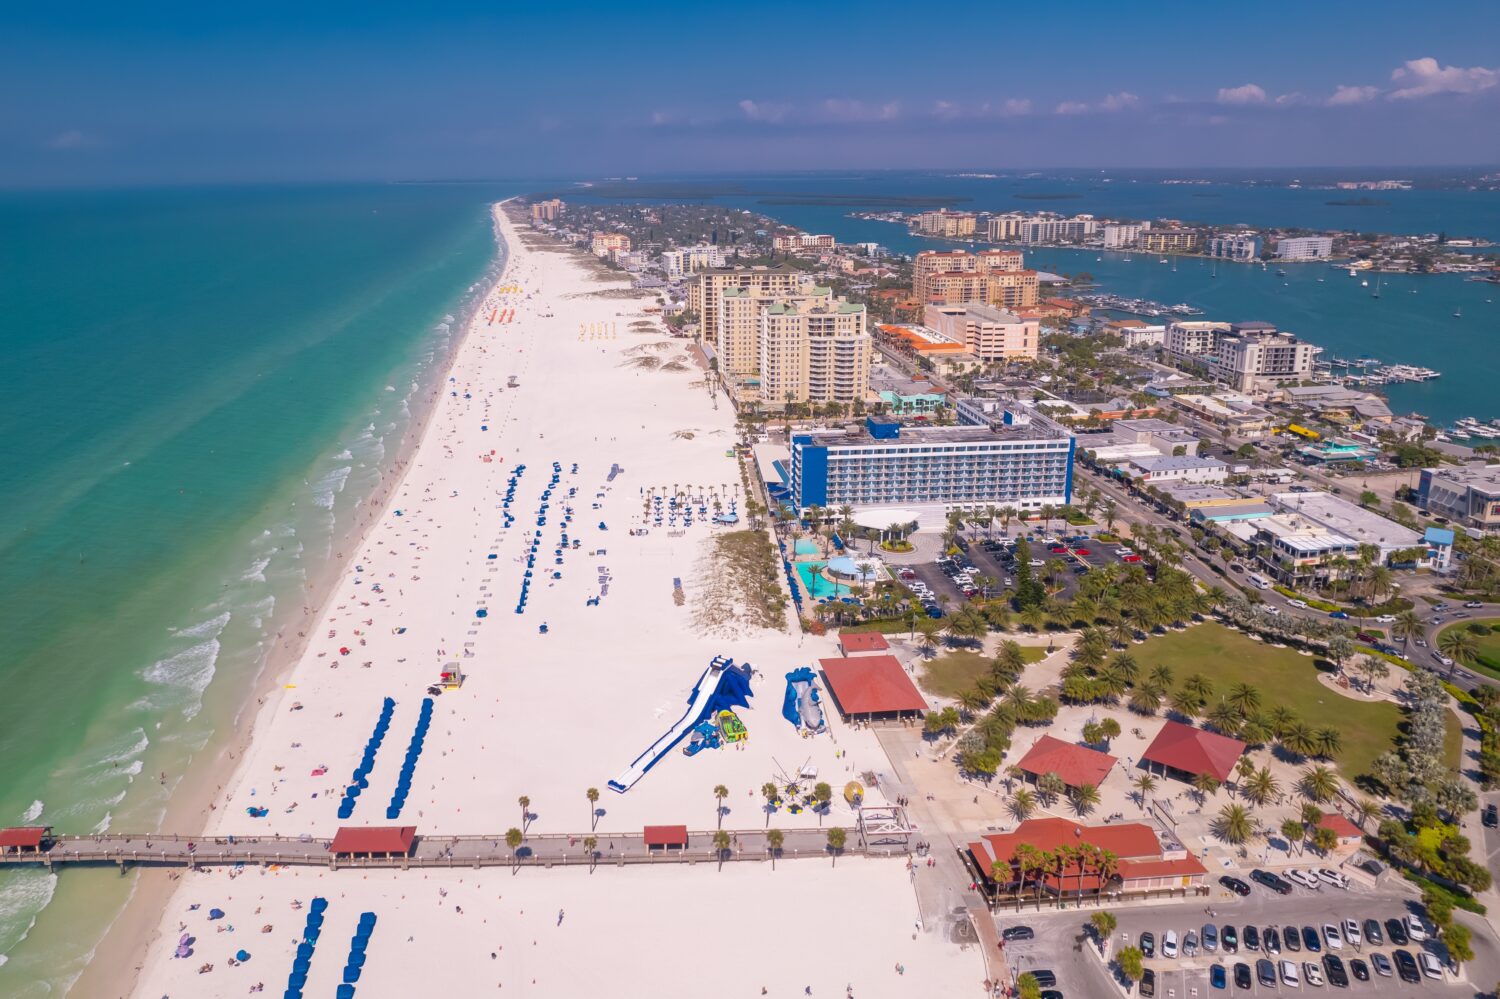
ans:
(800, 241)
(1123, 235)
(546, 211)
(1056, 230)
(1168, 240)
(603, 244)
(738, 351)
(1137, 332)
(1305, 248)
(1004, 228)
(1191, 341)
(942, 222)
(990, 334)
(813, 349)
(1468, 494)
(1243, 246)
(1337, 515)
(1256, 357)
(955, 277)
(1026, 463)
(681, 262)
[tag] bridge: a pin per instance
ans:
(402, 848)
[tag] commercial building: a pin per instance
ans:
(800, 241)
(813, 349)
(992, 277)
(1469, 494)
(1168, 240)
(1243, 246)
(945, 223)
(1305, 247)
(738, 350)
(1027, 464)
(1236, 415)
(1297, 551)
(1137, 332)
(687, 260)
(990, 334)
(1339, 516)
(546, 211)
(1249, 357)
(1123, 235)
(1189, 341)
(604, 244)
(1175, 468)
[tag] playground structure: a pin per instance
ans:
(803, 706)
(716, 732)
(722, 687)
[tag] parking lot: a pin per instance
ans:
(1060, 944)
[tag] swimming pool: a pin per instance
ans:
(803, 546)
(813, 584)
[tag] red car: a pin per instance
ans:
(1080, 551)
(1058, 549)
(1130, 558)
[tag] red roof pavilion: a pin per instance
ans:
(23, 837)
(1076, 765)
(872, 685)
(1194, 751)
(862, 641)
(1341, 826)
(395, 840)
(666, 836)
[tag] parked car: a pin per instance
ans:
(1334, 969)
(1190, 944)
(1265, 972)
(1350, 929)
(1291, 937)
(1333, 937)
(1148, 944)
(1332, 877)
(1396, 930)
(1406, 966)
(1491, 816)
(1271, 940)
(1018, 933)
(1210, 938)
(1359, 969)
(1169, 944)
(1312, 973)
(1229, 939)
(1242, 976)
(1311, 941)
(1148, 983)
(1272, 881)
(1251, 939)
(1045, 977)
(1289, 976)
(1217, 978)
(1303, 878)
(1415, 928)
(1430, 965)
(1382, 964)
(1130, 558)
(1373, 936)
(1235, 885)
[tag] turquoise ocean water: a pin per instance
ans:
(200, 387)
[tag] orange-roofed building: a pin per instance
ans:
(1076, 765)
(1124, 857)
(1348, 833)
(1184, 752)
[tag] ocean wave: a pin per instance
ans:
(32, 813)
(23, 895)
(189, 671)
(102, 826)
(343, 455)
(328, 485)
(203, 629)
(257, 571)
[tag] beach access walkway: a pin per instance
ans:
(654, 845)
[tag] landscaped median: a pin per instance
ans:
(1485, 636)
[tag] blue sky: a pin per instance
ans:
(99, 93)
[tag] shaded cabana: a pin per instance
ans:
(373, 841)
(872, 687)
(24, 839)
(1184, 752)
(666, 837)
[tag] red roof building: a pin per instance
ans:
(1076, 765)
(1141, 863)
(1184, 752)
(23, 839)
(862, 641)
(1345, 830)
(872, 687)
(391, 841)
(666, 837)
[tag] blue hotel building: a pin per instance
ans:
(882, 463)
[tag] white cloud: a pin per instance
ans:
(1015, 107)
(757, 111)
(1247, 94)
(1353, 95)
(946, 110)
(1294, 97)
(71, 139)
(1071, 107)
(1123, 101)
(1424, 78)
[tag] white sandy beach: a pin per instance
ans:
(550, 715)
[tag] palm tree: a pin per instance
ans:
(525, 804)
(1233, 824)
(1318, 783)
(721, 846)
(513, 839)
(1327, 741)
(1457, 644)
(1243, 698)
(837, 837)
(1373, 668)
(1144, 785)
(1294, 833)
(1260, 787)
(770, 792)
(720, 793)
(1146, 698)
(1205, 784)
(774, 839)
(1104, 924)
(822, 795)
(593, 795)
(1408, 625)
(1200, 687)
(1161, 675)
(1007, 513)
(1022, 804)
(1085, 798)
(1299, 738)
(1324, 840)
(591, 847)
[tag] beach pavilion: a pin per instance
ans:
(1076, 765)
(872, 688)
(1184, 752)
(373, 841)
(863, 641)
(24, 839)
(665, 837)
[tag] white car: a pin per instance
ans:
(1429, 965)
(1169, 944)
(1299, 604)
(1442, 659)
(1332, 936)
(1336, 879)
(1312, 973)
(1352, 933)
(1303, 878)
(1415, 929)
(1289, 976)
(1387, 619)
(1037, 562)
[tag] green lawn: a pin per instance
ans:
(955, 672)
(1283, 677)
(1487, 646)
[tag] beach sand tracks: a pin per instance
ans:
(737, 590)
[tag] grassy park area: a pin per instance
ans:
(1283, 676)
(1486, 645)
(955, 672)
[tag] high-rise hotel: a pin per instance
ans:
(991, 277)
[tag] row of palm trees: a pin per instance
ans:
(1091, 869)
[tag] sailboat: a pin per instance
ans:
(1458, 313)
(1376, 292)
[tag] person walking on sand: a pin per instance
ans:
(559, 917)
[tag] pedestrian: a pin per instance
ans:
(559, 917)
